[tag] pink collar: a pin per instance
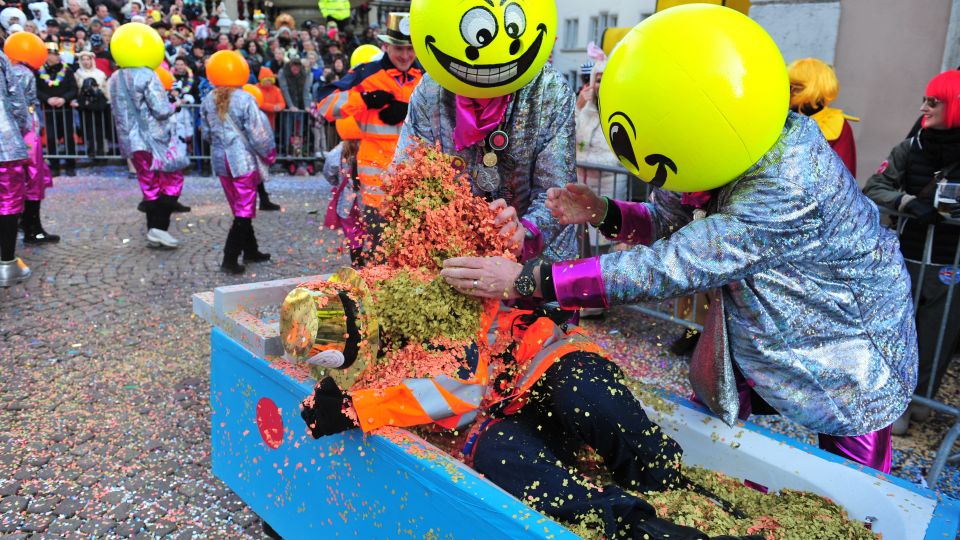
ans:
(476, 118)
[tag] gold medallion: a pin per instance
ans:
(490, 159)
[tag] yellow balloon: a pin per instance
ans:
(137, 45)
(363, 54)
(482, 49)
(693, 97)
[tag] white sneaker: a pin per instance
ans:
(156, 238)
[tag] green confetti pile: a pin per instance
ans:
(786, 515)
(440, 310)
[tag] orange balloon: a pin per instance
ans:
(165, 77)
(254, 91)
(227, 68)
(26, 48)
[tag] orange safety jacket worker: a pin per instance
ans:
(378, 140)
(452, 402)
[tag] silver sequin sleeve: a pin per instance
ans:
(14, 116)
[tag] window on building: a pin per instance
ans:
(594, 33)
(600, 23)
(572, 78)
(571, 28)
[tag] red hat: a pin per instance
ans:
(946, 88)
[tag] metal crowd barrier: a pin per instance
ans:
(75, 134)
(683, 311)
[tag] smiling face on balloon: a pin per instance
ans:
(483, 48)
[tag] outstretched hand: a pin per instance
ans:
(576, 204)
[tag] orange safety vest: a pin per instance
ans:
(378, 140)
(454, 403)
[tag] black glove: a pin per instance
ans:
(377, 99)
(923, 211)
(394, 113)
(325, 415)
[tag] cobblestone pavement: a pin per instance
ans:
(104, 378)
(104, 372)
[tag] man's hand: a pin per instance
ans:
(377, 99)
(323, 411)
(484, 277)
(510, 226)
(394, 113)
(576, 204)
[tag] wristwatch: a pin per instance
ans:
(525, 284)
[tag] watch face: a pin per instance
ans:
(525, 285)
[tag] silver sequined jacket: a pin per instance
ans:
(541, 155)
(141, 110)
(14, 116)
(228, 146)
(27, 80)
(816, 293)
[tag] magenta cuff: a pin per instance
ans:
(579, 284)
(873, 449)
(271, 157)
(533, 246)
(636, 225)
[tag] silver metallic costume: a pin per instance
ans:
(228, 146)
(141, 110)
(14, 115)
(817, 297)
(541, 154)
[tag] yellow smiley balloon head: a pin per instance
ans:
(137, 45)
(693, 97)
(483, 49)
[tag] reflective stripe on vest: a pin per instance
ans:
(429, 398)
(550, 346)
(433, 402)
(342, 98)
(370, 128)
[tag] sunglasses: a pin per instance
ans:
(931, 102)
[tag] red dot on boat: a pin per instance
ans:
(270, 423)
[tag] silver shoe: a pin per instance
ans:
(13, 272)
(157, 238)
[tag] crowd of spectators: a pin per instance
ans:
(289, 63)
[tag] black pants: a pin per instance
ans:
(58, 124)
(96, 132)
(581, 400)
(931, 311)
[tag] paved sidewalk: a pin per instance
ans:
(104, 378)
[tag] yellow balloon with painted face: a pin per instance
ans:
(483, 48)
(693, 97)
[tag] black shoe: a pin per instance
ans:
(256, 257)
(686, 343)
(232, 267)
(40, 237)
(178, 207)
(142, 207)
(268, 206)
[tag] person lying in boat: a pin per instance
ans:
(528, 410)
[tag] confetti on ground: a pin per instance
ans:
(104, 399)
